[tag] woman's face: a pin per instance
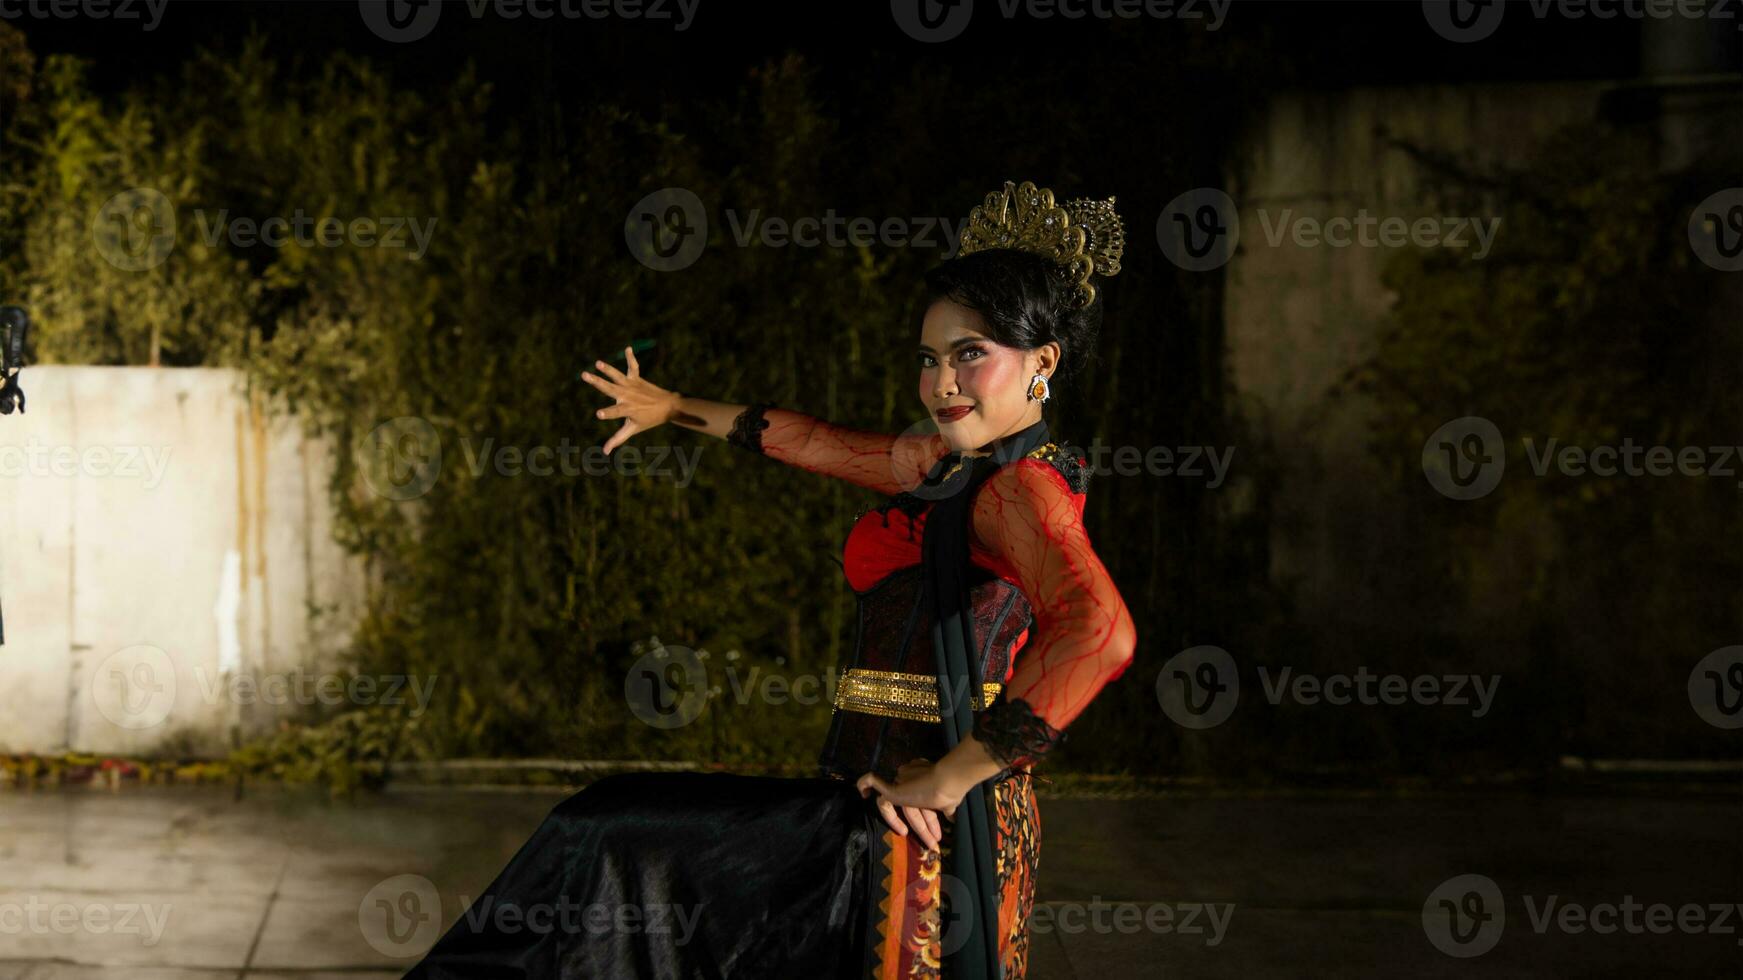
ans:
(977, 390)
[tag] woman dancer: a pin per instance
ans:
(986, 624)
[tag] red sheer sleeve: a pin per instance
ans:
(885, 463)
(1083, 636)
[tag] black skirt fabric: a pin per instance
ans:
(676, 875)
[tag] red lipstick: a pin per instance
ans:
(952, 414)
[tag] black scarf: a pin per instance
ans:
(945, 559)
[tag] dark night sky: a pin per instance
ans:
(1330, 43)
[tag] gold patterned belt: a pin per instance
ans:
(897, 695)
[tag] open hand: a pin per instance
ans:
(639, 402)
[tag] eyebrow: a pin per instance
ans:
(958, 342)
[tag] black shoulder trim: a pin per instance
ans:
(1070, 466)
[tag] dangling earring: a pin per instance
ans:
(1038, 389)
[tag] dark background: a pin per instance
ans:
(1592, 600)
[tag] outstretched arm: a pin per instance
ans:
(885, 463)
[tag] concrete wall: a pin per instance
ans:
(160, 539)
(1299, 317)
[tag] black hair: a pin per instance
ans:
(1024, 300)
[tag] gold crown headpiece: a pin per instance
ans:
(1082, 237)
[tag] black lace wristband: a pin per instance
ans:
(747, 428)
(1014, 734)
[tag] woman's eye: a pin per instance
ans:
(976, 352)
(926, 360)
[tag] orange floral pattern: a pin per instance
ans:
(912, 892)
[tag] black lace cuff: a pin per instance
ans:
(1014, 734)
(747, 428)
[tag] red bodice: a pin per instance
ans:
(887, 541)
(884, 542)
(1043, 590)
